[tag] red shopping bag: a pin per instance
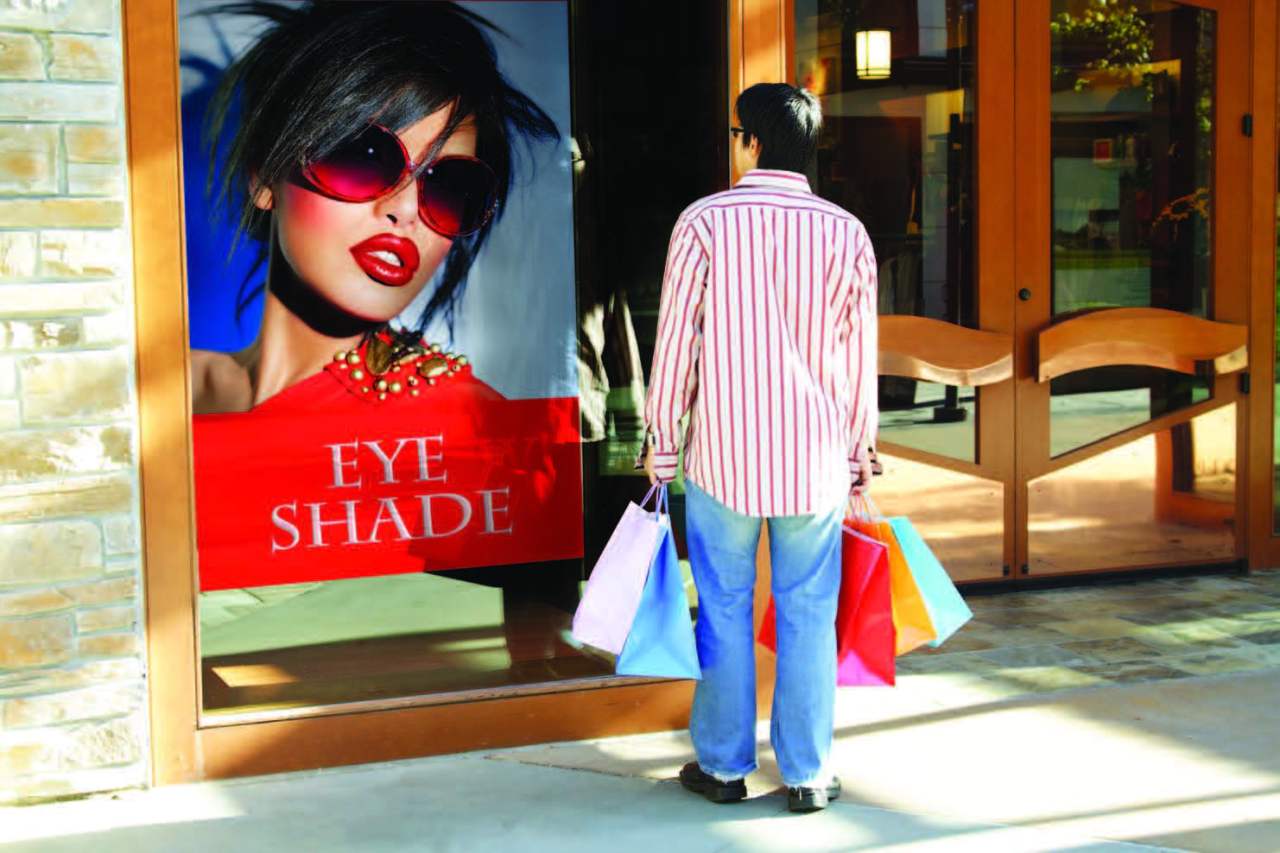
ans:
(865, 636)
(912, 624)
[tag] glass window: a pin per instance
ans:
(417, 391)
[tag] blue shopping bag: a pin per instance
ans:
(661, 644)
(947, 610)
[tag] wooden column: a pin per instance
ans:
(168, 533)
(759, 35)
(1264, 547)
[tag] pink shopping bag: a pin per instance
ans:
(609, 604)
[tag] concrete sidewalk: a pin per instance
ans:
(1118, 716)
(1191, 764)
(471, 803)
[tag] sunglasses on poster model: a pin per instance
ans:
(457, 194)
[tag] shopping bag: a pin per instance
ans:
(661, 643)
(947, 610)
(613, 592)
(864, 618)
(911, 622)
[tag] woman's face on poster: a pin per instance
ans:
(342, 249)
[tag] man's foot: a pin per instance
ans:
(803, 799)
(693, 779)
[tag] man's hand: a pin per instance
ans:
(648, 466)
(862, 484)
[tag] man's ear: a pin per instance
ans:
(263, 198)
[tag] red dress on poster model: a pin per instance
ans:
(385, 462)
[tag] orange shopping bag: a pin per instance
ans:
(910, 616)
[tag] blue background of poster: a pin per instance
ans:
(517, 319)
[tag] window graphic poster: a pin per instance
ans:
(378, 201)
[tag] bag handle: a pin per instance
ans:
(862, 506)
(662, 505)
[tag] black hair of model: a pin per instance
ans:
(325, 69)
(785, 119)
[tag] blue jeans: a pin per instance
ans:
(805, 555)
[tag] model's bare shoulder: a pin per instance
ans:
(219, 384)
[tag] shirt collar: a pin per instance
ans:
(776, 178)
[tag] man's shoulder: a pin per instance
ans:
(839, 211)
(835, 210)
(707, 202)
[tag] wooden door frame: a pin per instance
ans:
(1231, 251)
(183, 750)
(996, 193)
(1264, 544)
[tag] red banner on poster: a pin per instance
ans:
(329, 481)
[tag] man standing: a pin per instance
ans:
(767, 342)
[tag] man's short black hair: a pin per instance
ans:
(785, 119)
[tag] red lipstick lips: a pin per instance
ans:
(371, 255)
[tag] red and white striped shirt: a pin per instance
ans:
(767, 340)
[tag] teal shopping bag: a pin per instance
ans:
(942, 600)
(660, 644)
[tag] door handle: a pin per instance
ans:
(1024, 294)
(1154, 337)
(938, 351)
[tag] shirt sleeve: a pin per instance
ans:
(674, 378)
(863, 350)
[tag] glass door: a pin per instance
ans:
(1063, 299)
(1131, 309)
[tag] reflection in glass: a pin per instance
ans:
(896, 82)
(377, 638)
(962, 518)
(929, 416)
(1093, 404)
(1132, 142)
(1132, 133)
(1166, 498)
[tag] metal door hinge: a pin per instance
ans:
(1246, 124)
(1244, 382)
(1026, 570)
(1006, 570)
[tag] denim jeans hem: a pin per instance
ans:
(820, 781)
(727, 777)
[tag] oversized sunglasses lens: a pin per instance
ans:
(362, 168)
(457, 195)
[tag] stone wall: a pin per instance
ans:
(72, 693)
